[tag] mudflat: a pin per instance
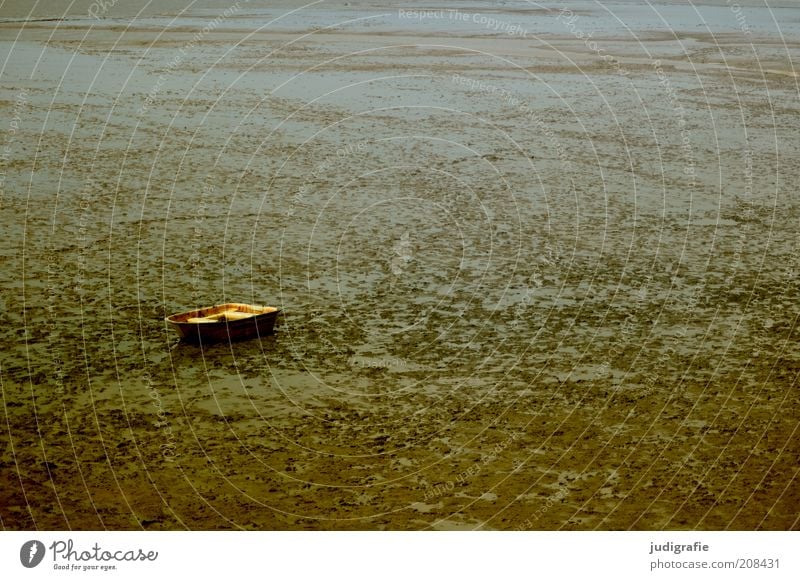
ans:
(538, 270)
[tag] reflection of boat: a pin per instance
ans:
(224, 322)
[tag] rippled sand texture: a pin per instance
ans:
(528, 282)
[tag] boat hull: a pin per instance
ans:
(194, 326)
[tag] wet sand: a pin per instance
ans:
(527, 282)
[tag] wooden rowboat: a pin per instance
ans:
(224, 322)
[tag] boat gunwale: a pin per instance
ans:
(181, 318)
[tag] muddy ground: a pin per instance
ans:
(523, 286)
